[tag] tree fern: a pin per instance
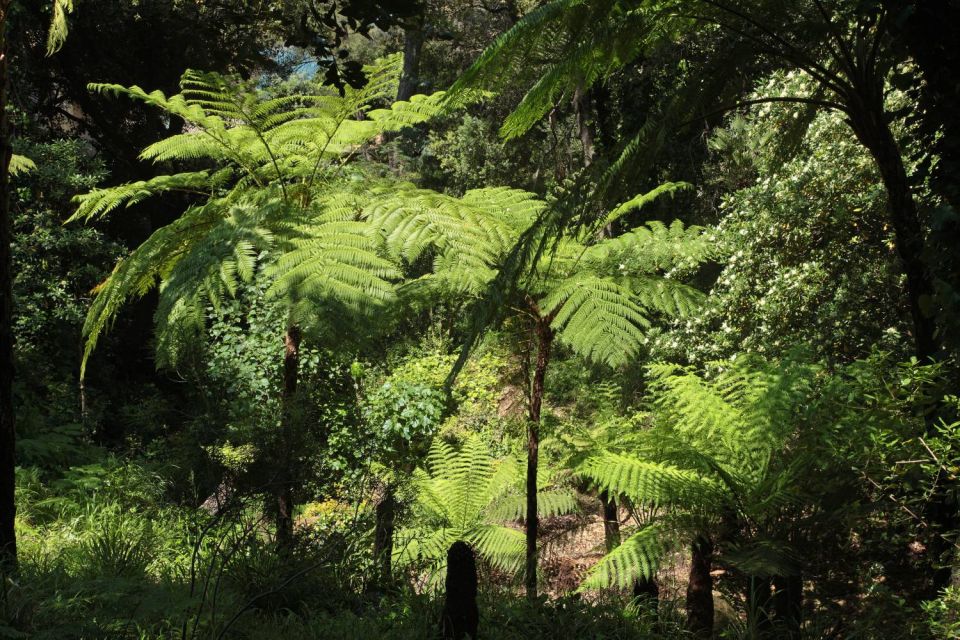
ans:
(277, 190)
(712, 453)
(468, 495)
(600, 296)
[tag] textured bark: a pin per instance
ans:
(581, 105)
(611, 522)
(788, 605)
(386, 516)
(460, 613)
(284, 484)
(8, 506)
(544, 343)
(700, 589)
(413, 37)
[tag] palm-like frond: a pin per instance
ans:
(20, 165)
(636, 558)
(570, 43)
(467, 495)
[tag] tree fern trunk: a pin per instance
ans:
(8, 506)
(386, 515)
(284, 493)
(758, 605)
(700, 589)
(544, 344)
(413, 37)
(788, 604)
(611, 522)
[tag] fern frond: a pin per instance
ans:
(20, 165)
(100, 202)
(643, 199)
(637, 558)
(57, 34)
(649, 483)
(597, 317)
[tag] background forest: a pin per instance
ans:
(498, 318)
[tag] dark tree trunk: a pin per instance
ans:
(386, 516)
(544, 343)
(788, 605)
(581, 105)
(758, 605)
(284, 485)
(413, 36)
(700, 589)
(869, 123)
(611, 522)
(8, 505)
(460, 614)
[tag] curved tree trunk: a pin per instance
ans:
(700, 589)
(284, 484)
(8, 505)
(868, 119)
(544, 343)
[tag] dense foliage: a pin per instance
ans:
(651, 304)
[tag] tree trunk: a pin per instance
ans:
(544, 343)
(611, 522)
(788, 604)
(8, 505)
(758, 605)
(386, 515)
(284, 491)
(460, 615)
(700, 589)
(413, 36)
(869, 123)
(581, 105)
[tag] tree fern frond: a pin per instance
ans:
(597, 317)
(647, 482)
(643, 199)
(100, 202)
(20, 165)
(57, 34)
(637, 558)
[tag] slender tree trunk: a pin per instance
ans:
(284, 493)
(413, 37)
(700, 589)
(758, 605)
(611, 522)
(386, 516)
(869, 122)
(544, 343)
(581, 105)
(788, 604)
(8, 505)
